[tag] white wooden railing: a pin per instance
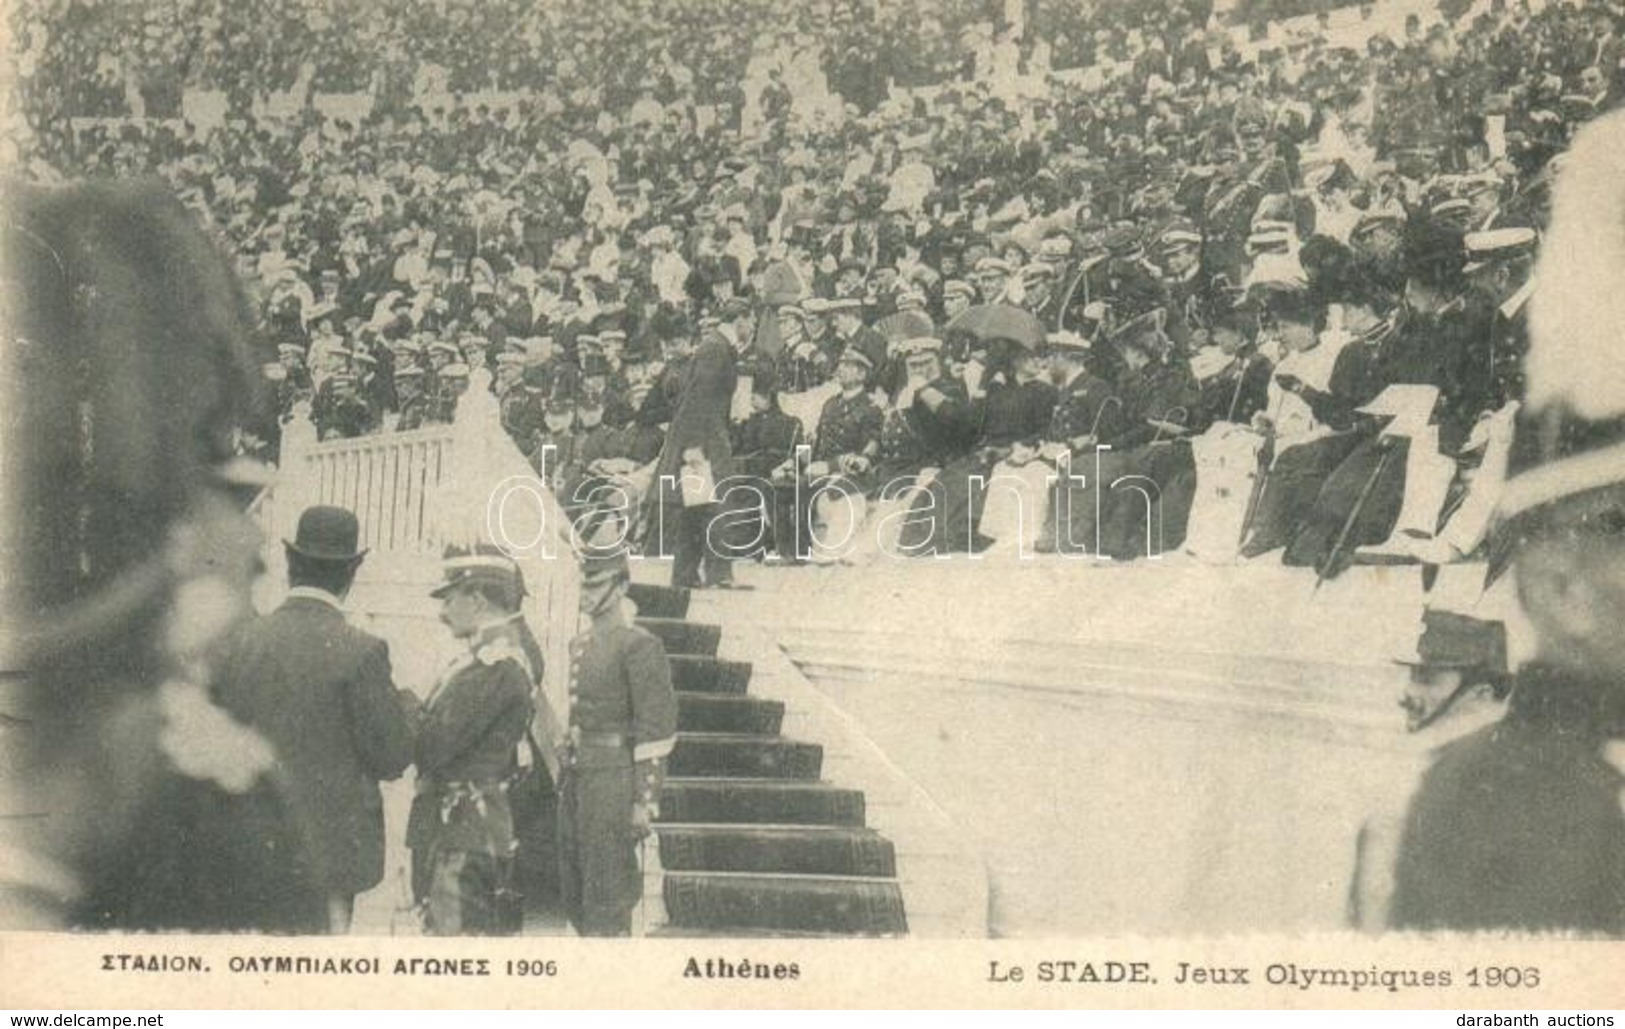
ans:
(390, 481)
(416, 493)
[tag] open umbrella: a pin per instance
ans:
(986, 322)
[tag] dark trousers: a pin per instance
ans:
(789, 524)
(1077, 519)
(1377, 463)
(944, 519)
(696, 547)
(1147, 510)
(457, 890)
(600, 880)
(1295, 480)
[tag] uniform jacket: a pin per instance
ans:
(951, 429)
(1520, 825)
(869, 343)
(848, 425)
(320, 691)
(554, 455)
(341, 415)
(522, 414)
(766, 440)
(620, 684)
(468, 734)
(902, 452)
(1016, 412)
(1235, 394)
(414, 413)
(1078, 411)
(1157, 391)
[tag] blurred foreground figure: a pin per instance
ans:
(1522, 825)
(130, 800)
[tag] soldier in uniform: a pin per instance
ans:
(623, 725)
(943, 420)
(441, 353)
(509, 369)
(957, 297)
(294, 385)
(764, 449)
(555, 442)
(1086, 285)
(414, 405)
(375, 390)
(450, 382)
(608, 458)
(340, 411)
(1038, 293)
(1499, 263)
(460, 829)
(843, 454)
(1086, 412)
(1179, 260)
(1132, 287)
(520, 406)
(851, 332)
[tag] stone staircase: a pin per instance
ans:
(751, 839)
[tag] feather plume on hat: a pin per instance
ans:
(1575, 358)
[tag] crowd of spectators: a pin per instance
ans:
(1211, 245)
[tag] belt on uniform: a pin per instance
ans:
(458, 786)
(604, 740)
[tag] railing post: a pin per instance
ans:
(293, 485)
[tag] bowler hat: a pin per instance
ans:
(327, 533)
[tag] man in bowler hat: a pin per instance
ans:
(321, 693)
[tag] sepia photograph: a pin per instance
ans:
(749, 475)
